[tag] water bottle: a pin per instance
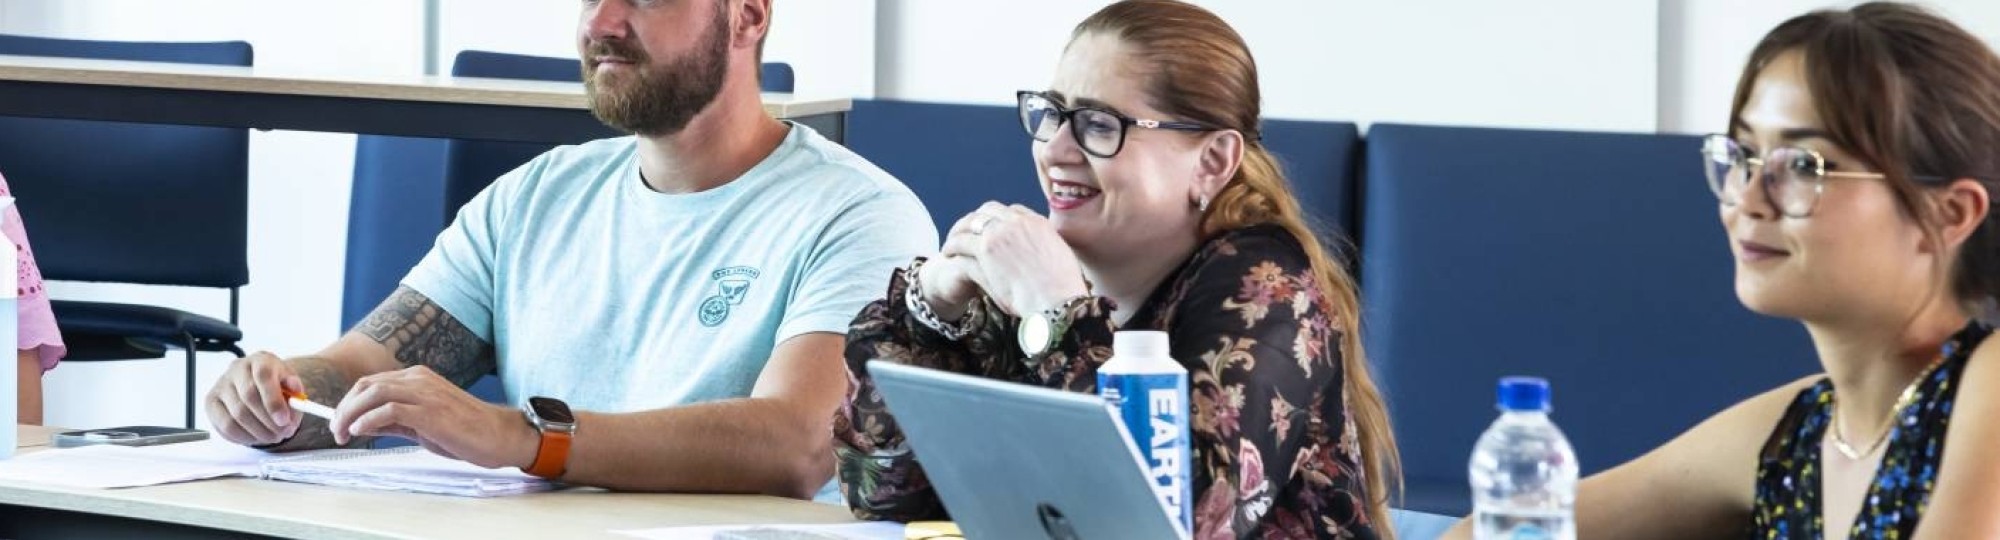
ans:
(1150, 391)
(1523, 470)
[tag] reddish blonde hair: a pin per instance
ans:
(1202, 71)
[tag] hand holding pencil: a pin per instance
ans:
(298, 400)
(251, 404)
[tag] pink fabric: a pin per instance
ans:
(37, 320)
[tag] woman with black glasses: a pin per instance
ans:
(1855, 184)
(1165, 212)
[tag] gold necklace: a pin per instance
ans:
(1888, 424)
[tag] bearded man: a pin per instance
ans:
(667, 310)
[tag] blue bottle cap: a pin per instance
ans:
(1524, 394)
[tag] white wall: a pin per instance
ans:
(1466, 62)
(1704, 43)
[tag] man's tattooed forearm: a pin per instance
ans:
(419, 333)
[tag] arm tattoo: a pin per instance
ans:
(419, 333)
(326, 385)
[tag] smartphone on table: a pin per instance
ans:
(128, 436)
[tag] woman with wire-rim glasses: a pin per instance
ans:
(1855, 184)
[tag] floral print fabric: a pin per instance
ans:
(1275, 454)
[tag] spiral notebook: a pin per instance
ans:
(409, 468)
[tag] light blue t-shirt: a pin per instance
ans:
(599, 291)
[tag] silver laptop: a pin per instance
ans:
(1012, 461)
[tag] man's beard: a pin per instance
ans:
(657, 101)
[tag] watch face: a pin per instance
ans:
(1034, 333)
(551, 410)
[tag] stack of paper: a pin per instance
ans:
(398, 469)
(113, 466)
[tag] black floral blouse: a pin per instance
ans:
(1275, 455)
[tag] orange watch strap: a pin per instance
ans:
(553, 458)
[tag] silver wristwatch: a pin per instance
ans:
(1039, 333)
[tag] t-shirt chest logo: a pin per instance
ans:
(732, 284)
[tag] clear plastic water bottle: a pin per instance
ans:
(1523, 469)
(1150, 391)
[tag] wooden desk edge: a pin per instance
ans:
(106, 502)
(149, 504)
(112, 502)
(464, 90)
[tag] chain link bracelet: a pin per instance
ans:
(913, 296)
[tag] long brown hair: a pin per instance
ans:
(1202, 71)
(1913, 96)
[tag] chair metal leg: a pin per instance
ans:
(189, 416)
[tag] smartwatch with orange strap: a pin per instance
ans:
(551, 417)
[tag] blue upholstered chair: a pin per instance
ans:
(1321, 161)
(775, 77)
(134, 203)
(954, 157)
(1595, 260)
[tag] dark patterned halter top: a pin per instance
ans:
(1788, 473)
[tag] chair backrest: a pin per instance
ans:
(393, 216)
(1320, 160)
(775, 77)
(470, 165)
(132, 203)
(1594, 260)
(954, 157)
